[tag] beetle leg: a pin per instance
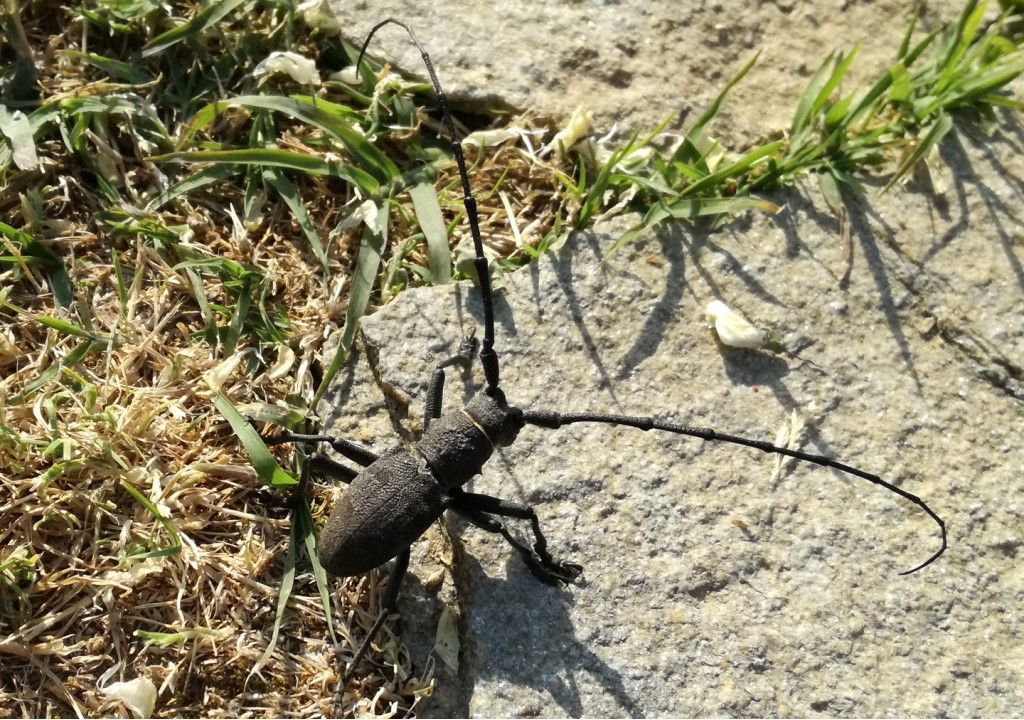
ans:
(388, 605)
(546, 568)
(353, 451)
(322, 465)
(435, 390)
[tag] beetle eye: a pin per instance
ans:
(516, 415)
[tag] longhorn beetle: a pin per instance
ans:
(399, 494)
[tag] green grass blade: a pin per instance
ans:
(305, 529)
(290, 194)
(283, 595)
(63, 326)
(428, 214)
(34, 252)
(900, 90)
(199, 293)
(595, 189)
(122, 288)
(804, 109)
(53, 371)
(169, 550)
(114, 68)
(735, 170)
(814, 100)
(689, 208)
(984, 84)
(690, 150)
(239, 316)
(842, 67)
(830, 191)
(1003, 101)
(263, 462)
(901, 53)
(210, 15)
(334, 119)
(371, 248)
(925, 143)
(287, 159)
(967, 29)
(191, 183)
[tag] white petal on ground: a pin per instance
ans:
(365, 213)
(446, 642)
(18, 130)
(576, 129)
(490, 138)
(733, 329)
(322, 14)
(216, 376)
(349, 75)
(301, 69)
(284, 362)
(138, 694)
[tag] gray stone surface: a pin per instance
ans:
(715, 585)
(640, 61)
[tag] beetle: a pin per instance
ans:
(400, 493)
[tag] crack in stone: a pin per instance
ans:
(991, 364)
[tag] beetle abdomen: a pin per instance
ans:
(390, 504)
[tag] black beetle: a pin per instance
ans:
(399, 494)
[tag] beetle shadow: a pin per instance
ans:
(522, 633)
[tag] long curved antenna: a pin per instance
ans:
(488, 358)
(554, 420)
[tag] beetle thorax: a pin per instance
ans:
(457, 444)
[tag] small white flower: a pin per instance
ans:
(301, 69)
(733, 330)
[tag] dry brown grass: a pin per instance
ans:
(137, 410)
(107, 420)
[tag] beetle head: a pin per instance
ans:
(500, 421)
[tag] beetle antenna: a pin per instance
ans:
(488, 358)
(554, 420)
